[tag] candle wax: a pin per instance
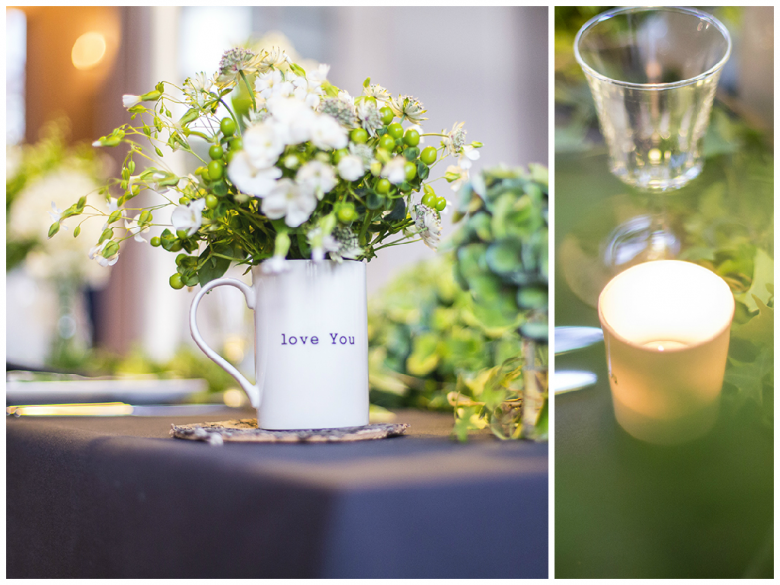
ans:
(664, 344)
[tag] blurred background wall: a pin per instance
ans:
(485, 66)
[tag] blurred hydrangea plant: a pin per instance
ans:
(468, 330)
(502, 260)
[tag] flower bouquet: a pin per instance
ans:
(291, 167)
(291, 171)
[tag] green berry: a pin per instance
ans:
(395, 130)
(387, 142)
(236, 143)
(387, 115)
(339, 154)
(215, 170)
(411, 170)
(382, 186)
(184, 200)
(441, 203)
(180, 258)
(228, 126)
(347, 214)
(216, 152)
(181, 234)
(412, 137)
(211, 201)
(175, 281)
(155, 242)
(429, 199)
(428, 155)
(359, 136)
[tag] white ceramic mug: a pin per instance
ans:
(311, 345)
(666, 332)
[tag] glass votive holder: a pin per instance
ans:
(666, 332)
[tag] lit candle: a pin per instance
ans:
(666, 332)
(664, 344)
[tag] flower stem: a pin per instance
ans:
(250, 90)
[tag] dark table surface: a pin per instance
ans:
(117, 497)
(624, 508)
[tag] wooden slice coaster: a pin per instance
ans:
(246, 431)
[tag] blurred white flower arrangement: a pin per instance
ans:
(46, 177)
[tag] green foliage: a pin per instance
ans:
(448, 333)
(424, 335)
(186, 363)
(502, 250)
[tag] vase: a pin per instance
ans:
(311, 344)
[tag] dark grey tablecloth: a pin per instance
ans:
(116, 497)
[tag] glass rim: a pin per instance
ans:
(652, 86)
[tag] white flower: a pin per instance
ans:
(341, 108)
(456, 176)
(275, 265)
(273, 58)
(351, 167)
(292, 119)
(364, 152)
(455, 139)
(467, 154)
(428, 225)
(273, 83)
(289, 201)
(317, 177)
(369, 117)
(408, 108)
(136, 230)
(319, 75)
(189, 217)
(327, 133)
(321, 243)
(379, 93)
(344, 96)
(56, 214)
(263, 145)
(395, 170)
(96, 253)
(197, 88)
(249, 179)
(347, 245)
(113, 205)
(233, 62)
(129, 100)
(307, 91)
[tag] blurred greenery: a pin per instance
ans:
(187, 363)
(449, 334)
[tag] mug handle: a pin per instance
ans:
(251, 390)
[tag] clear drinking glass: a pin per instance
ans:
(653, 73)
